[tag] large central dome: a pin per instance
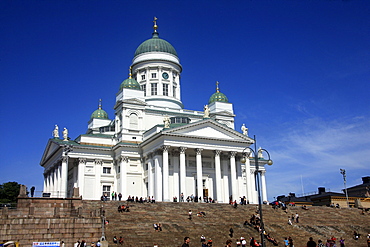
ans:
(155, 44)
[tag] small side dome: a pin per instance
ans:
(99, 113)
(218, 96)
(130, 83)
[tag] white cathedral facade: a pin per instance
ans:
(153, 146)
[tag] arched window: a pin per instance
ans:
(133, 121)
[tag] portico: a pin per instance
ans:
(210, 167)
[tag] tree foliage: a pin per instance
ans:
(9, 192)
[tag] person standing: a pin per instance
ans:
(290, 240)
(190, 213)
(296, 218)
(311, 243)
(341, 242)
(186, 242)
(231, 230)
(32, 191)
(286, 242)
(228, 243)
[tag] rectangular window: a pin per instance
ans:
(174, 92)
(143, 87)
(154, 75)
(165, 89)
(106, 190)
(142, 77)
(154, 89)
(106, 170)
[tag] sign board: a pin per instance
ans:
(46, 244)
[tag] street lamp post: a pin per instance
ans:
(257, 178)
(343, 172)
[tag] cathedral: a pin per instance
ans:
(153, 146)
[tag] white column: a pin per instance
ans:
(183, 171)
(98, 186)
(225, 176)
(64, 177)
(45, 183)
(56, 189)
(81, 175)
(218, 176)
(158, 177)
(249, 184)
(176, 184)
(150, 176)
(199, 172)
(123, 164)
(263, 186)
(166, 197)
(233, 176)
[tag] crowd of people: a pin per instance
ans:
(254, 221)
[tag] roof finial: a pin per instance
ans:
(130, 73)
(99, 104)
(155, 27)
(217, 89)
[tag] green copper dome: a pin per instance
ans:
(130, 83)
(99, 113)
(155, 44)
(218, 96)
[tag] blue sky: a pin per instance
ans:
(297, 73)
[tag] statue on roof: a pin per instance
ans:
(65, 134)
(245, 130)
(56, 132)
(166, 122)
(206, 111)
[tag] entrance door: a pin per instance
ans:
(205, 193)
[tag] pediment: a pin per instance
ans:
(208, 129)
(50, 149)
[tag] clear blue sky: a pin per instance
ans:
(297, 72)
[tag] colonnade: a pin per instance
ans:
(56, 178)
(229, 181)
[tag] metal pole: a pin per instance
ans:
(102, 215)
(343, 172)
(259, 191)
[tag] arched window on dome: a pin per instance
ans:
(133, 121)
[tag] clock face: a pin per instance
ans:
(165, 75)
